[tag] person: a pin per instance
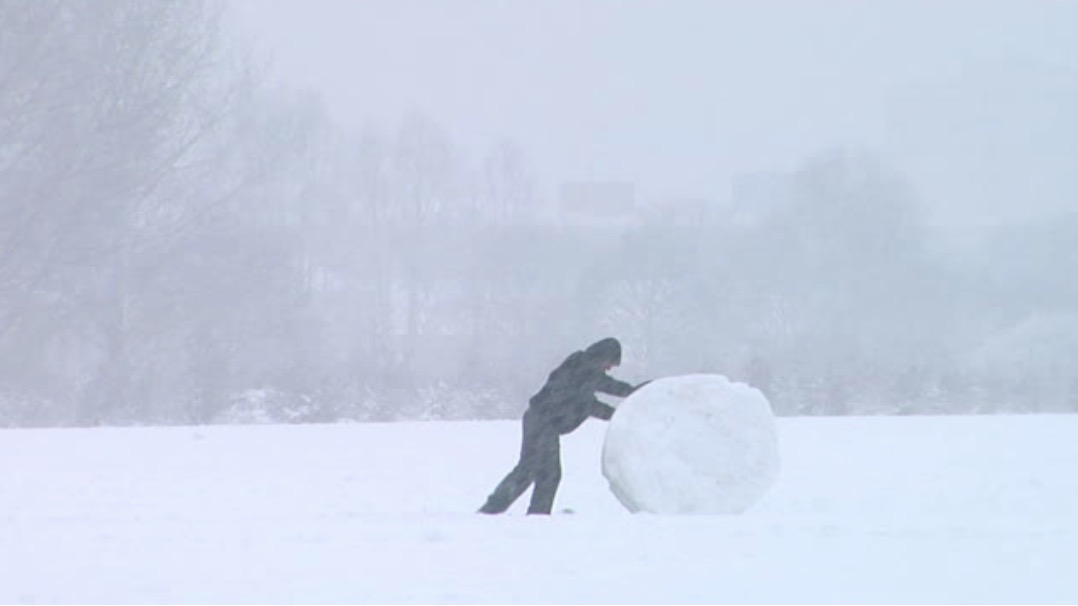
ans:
(562, 405)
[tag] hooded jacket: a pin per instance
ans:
(568, 397)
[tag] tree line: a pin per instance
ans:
(183, 243)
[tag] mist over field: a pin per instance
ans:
(279, 278)
(320, 211)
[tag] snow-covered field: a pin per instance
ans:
(866, 510)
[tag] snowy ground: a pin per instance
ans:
(867, 510)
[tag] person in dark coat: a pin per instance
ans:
(563, 404)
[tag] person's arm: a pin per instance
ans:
(600, 411)
(614, 387)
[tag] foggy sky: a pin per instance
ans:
(678, 97)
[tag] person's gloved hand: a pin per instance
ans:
(637, 388)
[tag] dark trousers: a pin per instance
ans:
(540, 463)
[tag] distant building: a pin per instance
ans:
(686, 211)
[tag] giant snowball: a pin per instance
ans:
(691, 444)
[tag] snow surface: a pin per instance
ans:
(866, 510)
(691, 444)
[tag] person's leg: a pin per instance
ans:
(516, 481)
(508, 490)
(547, 474)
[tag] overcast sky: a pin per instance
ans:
(678, 96)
